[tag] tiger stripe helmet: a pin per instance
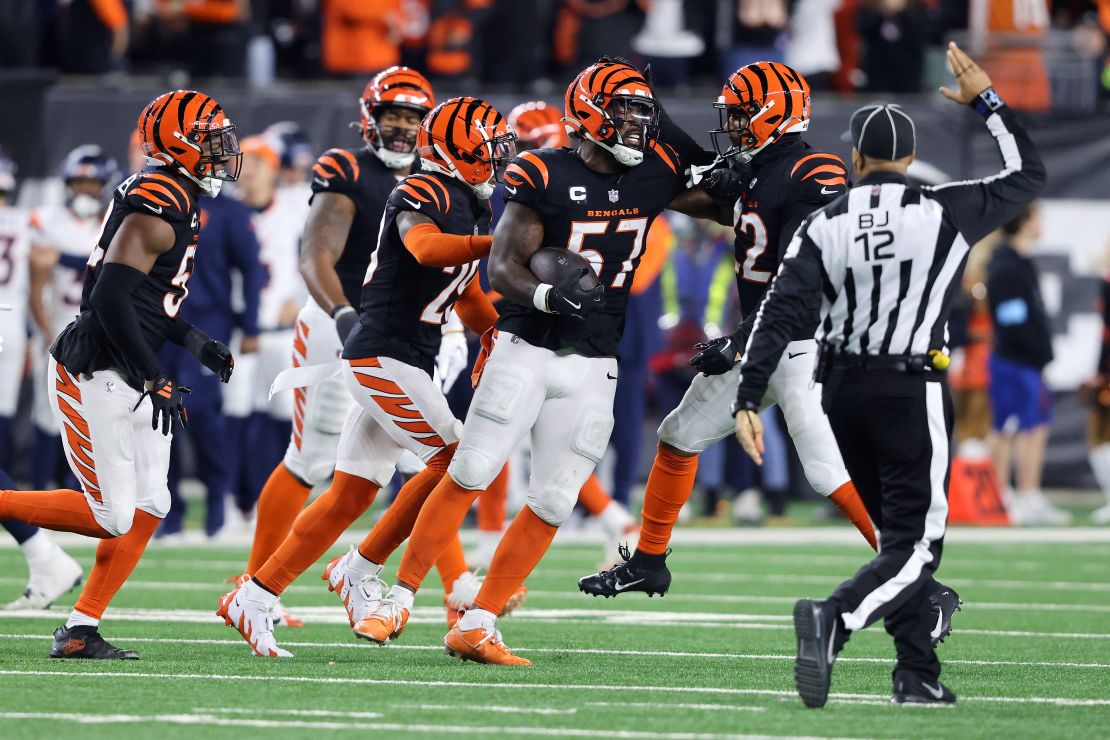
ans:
(538, 125)
(602, 98)
(759, 104)
(468, 139)
(396, 87)
(189, 130)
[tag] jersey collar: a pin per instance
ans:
(881, 177)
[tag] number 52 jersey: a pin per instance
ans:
(604, 217)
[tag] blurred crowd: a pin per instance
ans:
(844, 45)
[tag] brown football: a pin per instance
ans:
(552, 265)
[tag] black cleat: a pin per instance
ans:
(816, 626)
(627, 576)
(84, 641)
(909, 688)
(943, 603)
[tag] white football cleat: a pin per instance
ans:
(620, 529)
(249, 608)
(1101, 516)
(1033, 509)
(52, 574)
(359, 594)
(463, 591)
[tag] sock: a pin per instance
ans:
(451, 564)
(280, 502)
(668, 487)
(19, 531)
(491, 504)
(593, 497)
(396, 523)
(62, 510)
(851, 505)
(401, 595)
(37, 547)
(474, 619)
(78, 619)
(115, 559)
(316, 529)
(521, 549)
(253, 591)
(437, 524)
(360, 567)
(1100, 464)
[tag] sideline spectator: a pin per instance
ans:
(1020, 401)
(757, 34)
(217, 37)
(94, 35)
(893, 33)
(811, 45)
(361, 37)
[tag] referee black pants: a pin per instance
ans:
(893, 430)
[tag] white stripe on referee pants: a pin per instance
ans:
(935, 517)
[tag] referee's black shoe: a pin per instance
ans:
(820, 637)
(84, 641)
(944, 602)
(909, 688)
(636, 573)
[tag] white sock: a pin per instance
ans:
(360, 567)
(78, 619)
(474, 619)
(38, 546)
(1100, 464)
(402, 596)
(614, 519)
(253, 592)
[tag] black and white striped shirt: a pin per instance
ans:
(884, 260)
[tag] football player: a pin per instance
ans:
(552, 368)
(15, 246)
(764, 109)
(432, 236)
(115, 404)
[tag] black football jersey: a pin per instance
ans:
(789, 181)
(83, 347)
(362, 177)
(404, 303)
(605, 218)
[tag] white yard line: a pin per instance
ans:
(694, 707)
(289, 712)
(527, 686)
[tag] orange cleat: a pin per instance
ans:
(385, 622)
(481, 645)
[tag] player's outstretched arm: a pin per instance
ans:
(519, 234)
(698, 203)
(432, 248)
(325, 234)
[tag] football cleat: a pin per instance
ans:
(816, 626)
(385, 622)
(943, 602)
(465, 591)
(626, 577)
(481, 645)
(84, 641)
(250, 609)
(49, 579)
(359, 596)
(909, 688)
(282, 617)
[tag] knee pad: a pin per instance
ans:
(309, 468)
(329, 406)
(116, 520)
(157, 502)
(814, 440)
(473, 469)
(554, 500)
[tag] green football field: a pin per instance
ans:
(1030, 656)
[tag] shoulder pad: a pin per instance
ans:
(422, 193)
(336, 169)
(529, 170)
(820, 176)
(161, 194)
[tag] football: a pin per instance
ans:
(552, 265)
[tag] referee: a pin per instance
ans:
(879, 265)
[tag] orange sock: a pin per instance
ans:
(491, 504)
(280, 502)
(437, 524)
(396, 523)
(668, 487)
(115, 559)
(451, 563)
(316, 529)
(62, 511)
(520, 550)
(851, 505)
(593, 497)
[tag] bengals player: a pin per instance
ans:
(116, 406)
(432, 236)
(764, 110)
(552, 368)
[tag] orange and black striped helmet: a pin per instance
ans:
(396, 87)
(602, 99)
(466, 138)
(759, 104)
(538, 125)
(189, 129)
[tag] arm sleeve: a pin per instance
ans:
(110, 12)
(978, 207)
(432, 248)
(112, 301)
(475, 309)
(245, 252)
(791, 298)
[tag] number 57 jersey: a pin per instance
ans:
(605, 218)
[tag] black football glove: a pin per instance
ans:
(169, 406)
(724, 184)
(213, 354)
(717, 356)
(571, 299)
(345, 319)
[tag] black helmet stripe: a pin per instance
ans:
(789, 111)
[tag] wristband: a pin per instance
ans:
(539, 298)
(987, 102)
(335, 312)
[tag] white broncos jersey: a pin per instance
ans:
(278, 229)
(59, 228)
(15, 248)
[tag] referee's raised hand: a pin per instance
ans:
(970, 77)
